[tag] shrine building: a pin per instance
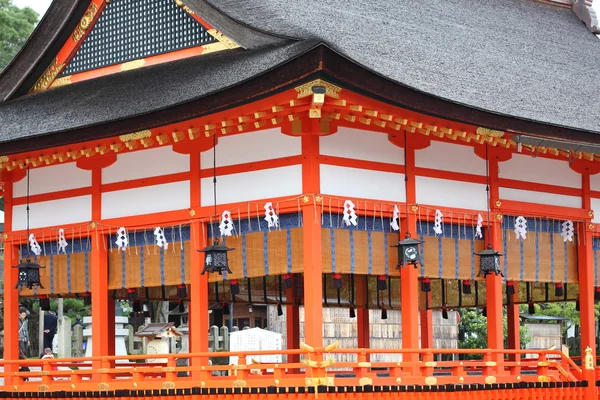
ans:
(403, 156)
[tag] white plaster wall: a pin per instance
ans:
(539, 170)
(450, 157)
(540, 197)
(53, 179)
(447, 193)
(146, 163)
(146, 200)
(262, 145)
(595, 182)
(596, 208)
(360, 183)
(253, 185)
(53, 213)
(361, 145)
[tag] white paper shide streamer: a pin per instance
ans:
(478, 233)
(567, 232)
(34, 245)
(159, 235)
(270, 216)
(122, 240)
(350, 217)
(226, 225)
(395, 219)
(521, 227)
(62, 242)
(437, 224)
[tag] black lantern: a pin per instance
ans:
(29, 274)
(215, 258)
(408, 252)
(489, 261)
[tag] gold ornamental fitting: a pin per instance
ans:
(591, 227)
(461, 380)
(192, 213)
(305, 199)
(490, 379)
(591, 213)
(398, 381)
(319, 198)
(499, 217)
(498, 203)
(414, 208)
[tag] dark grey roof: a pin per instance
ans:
(137, 92)
(515, 57)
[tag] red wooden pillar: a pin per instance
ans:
(426, 323)
(409, 276)
(514, 324)
(311, 235)
(493, 282)
(585, 265)
(292, 322)
(11, 294)
(103, 327)
(585, 259)
(362, 313)
(198, 305)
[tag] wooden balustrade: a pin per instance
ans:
(318, 368)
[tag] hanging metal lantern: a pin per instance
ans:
(489, 261)
(29, 274)
(408, 252)
(215, 258)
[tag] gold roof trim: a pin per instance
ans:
(85, 22)
(136, 136)
(48, 76)
(230, 44)
(331, 90)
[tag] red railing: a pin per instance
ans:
(316, 368)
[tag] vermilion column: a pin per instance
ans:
(514, 323)
(585, 265)
(362, 313)
(311, 235)
(426, 324)
(198, 306)
(103, 327)
(493, 282)
(292, 322)
(11, 294)
(409, 276)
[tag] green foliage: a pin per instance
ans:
(473, 331)
(16, 24)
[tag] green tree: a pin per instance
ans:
(473, 331)
(16, 24)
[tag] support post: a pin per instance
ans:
(409, 276)
(514, 326)
(292, 322)
(362, 314)
(493, 282)
(426, 317)
(198, 305)
(11, 294)
(102, 327)
(311, 235)
(585, 265)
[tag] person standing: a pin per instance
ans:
(50, 324)
(23, 332)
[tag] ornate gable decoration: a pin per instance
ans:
(589, 12)
(128, 34)
(129, 30)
